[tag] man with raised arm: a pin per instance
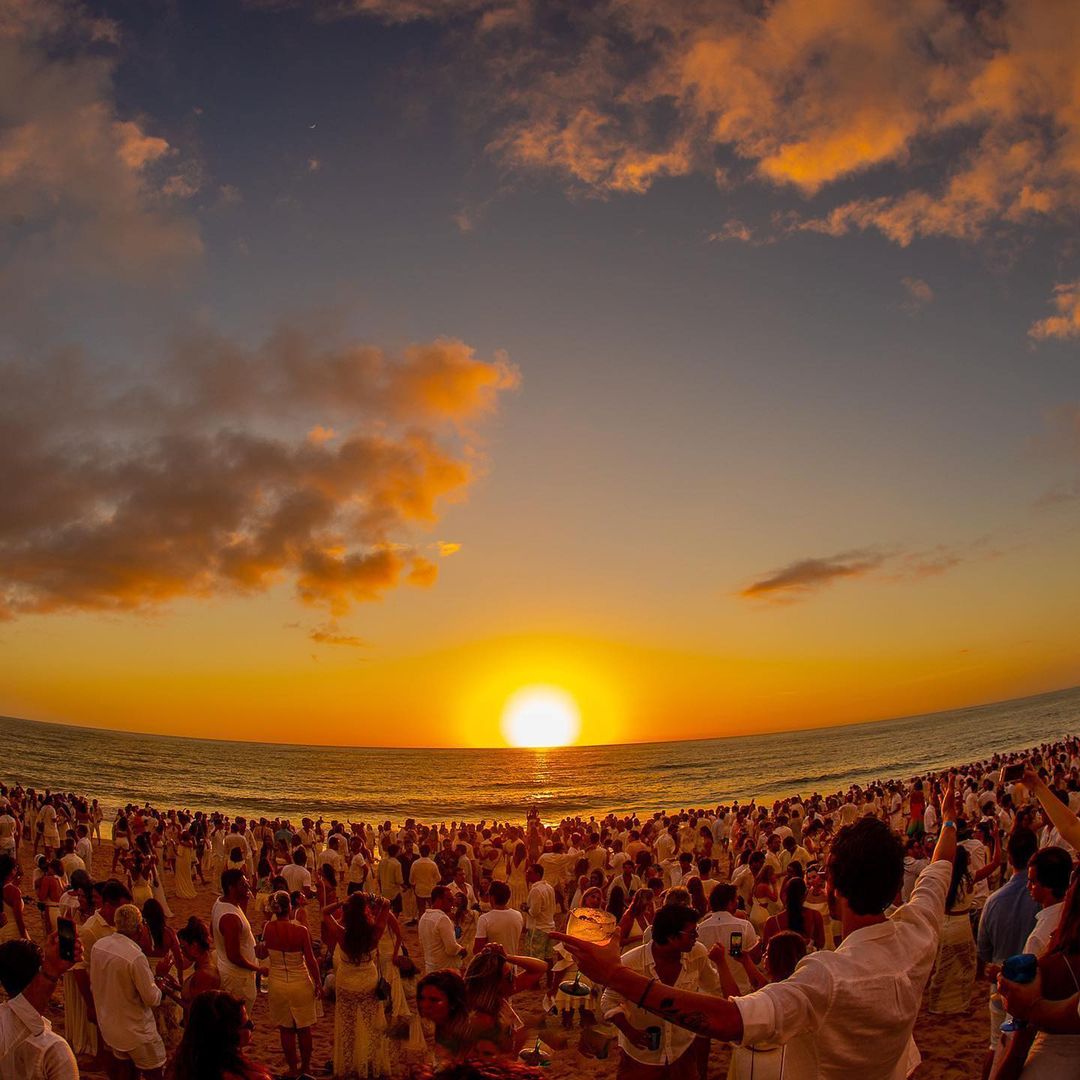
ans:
(857, 1005)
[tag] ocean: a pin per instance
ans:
(359, 783)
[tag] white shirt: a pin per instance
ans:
(41, 1057)
(296, 877)
(541, 901)
(441, 948)
(858, 1003)
(124, 993)
(1046, 922)
(697, 975)
(718, 928)
(501, 926)
(19, 1020)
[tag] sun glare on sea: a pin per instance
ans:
(541, 716)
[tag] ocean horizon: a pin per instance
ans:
(443, 783)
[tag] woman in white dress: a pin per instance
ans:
(519, 887)
(185, 859)
(294, 985)
(361, 1044)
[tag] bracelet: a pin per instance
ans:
(645, 993)
(948, 824)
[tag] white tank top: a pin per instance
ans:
(247, 938)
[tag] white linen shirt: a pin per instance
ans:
(541, 901)
(858, 1003)
(41, 1057)
(697, 975)
(124, 993)
(19, 1021)
(441, 947)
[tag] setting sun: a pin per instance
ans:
(541, 716)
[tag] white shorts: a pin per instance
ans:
(147, 1055)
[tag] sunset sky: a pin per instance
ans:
(364, 361)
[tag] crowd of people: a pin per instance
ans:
(805, 933)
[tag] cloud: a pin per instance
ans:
(1066, 323)
(919, 293)
(799, 578)
(124, 489)
(447, 548)
(969, 113)
(81, 187)
(732, 229)
(802, 577)
(331, 634)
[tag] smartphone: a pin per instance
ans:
(1009, 773)
(65, 929)
(735, 948)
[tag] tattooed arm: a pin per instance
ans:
(704, 1014)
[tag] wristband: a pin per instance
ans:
(645, 993)
(948, 824)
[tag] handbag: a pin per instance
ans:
(382, 990)
(404, 963)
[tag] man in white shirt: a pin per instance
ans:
(436, 932)
(718, 926)
(332, 855)
(1049, 873)
(853, 1010)
(21, 1017)
(84, 848)
(125, 994)
(502, 925)
(391, 878)
(540, 915)
(296, 874)
(424, 875)
(673, 958)
(45, 1056)
(69, 860)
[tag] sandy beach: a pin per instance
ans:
(951, 1047)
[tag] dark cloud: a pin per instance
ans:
(201, 477)
(799, 578)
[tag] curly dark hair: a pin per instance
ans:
(867, 865)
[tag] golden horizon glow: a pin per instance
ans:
(541, 716)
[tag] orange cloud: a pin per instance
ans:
(201, 477)
(617, 94)
(330, 634)
(1066, 323)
